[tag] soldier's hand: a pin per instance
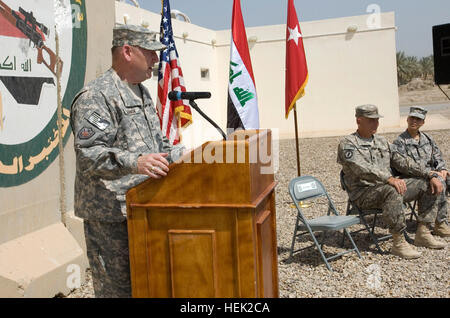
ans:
(436, 186)
(154, 165)
(398, 184)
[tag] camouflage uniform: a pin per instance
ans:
(367, 168)
(425, 153)
(112, 128)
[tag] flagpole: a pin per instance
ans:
(296, 140)
(179, 129)
(301, 203)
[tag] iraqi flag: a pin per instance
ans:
(296, 67)
(242, 99)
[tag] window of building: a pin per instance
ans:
(204, 73)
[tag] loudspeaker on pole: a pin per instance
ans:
(441, 48)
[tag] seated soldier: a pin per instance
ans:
(423, 150)
(366, 160)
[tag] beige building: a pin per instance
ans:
(350, 62)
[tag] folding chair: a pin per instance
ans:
(306, 188)
(352, 208)
(412, 208)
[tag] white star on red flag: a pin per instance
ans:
(294, 34)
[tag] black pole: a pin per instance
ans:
(194, 105)
(296, 140)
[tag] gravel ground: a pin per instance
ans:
(375, 275)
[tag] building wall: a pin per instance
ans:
(346, 69)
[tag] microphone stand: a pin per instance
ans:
(194, 105)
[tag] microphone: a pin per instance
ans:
(176, 95)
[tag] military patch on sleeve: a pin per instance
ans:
(348, 154)
(98, 121)
(398, 147)
(86, 133)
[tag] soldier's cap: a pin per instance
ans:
(368, 111)
(417, 111)
(135, 35)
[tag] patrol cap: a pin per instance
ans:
(368, 111)
(417, 111)
(135, 35)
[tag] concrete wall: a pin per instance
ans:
(346, 69)
(39, 256)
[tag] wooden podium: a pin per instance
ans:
(208, 229)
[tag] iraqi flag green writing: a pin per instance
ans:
(242, 99)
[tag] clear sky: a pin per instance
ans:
(414, 18)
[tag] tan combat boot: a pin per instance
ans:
(425, 239)
(441, 229)
(402, 248)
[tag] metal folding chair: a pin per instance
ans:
(306, 188)
(412, 209)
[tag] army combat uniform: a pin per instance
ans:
(367, 163)
(112, 127)
(426, 154)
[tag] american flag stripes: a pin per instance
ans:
(173, 115)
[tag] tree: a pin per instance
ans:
(402, 68)
(410, 67)
(427, 67)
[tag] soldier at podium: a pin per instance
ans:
(118, 144)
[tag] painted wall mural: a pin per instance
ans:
(29, 134)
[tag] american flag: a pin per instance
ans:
(172, 114)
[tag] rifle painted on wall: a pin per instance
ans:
(26, 23)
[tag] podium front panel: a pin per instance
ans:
(194, 253)
(208, 229)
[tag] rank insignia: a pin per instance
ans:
(86, 133)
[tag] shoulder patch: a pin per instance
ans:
(86, 133)
(98, 121)
(348, 153)
(399, 147)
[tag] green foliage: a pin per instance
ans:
(410, 67)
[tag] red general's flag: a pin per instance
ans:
(296, 68)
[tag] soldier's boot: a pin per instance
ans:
(402, 248)
(425, 239)
(441, 229)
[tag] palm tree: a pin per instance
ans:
(427, 66)
(410, 67)
(402, 68)
(413, 67)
